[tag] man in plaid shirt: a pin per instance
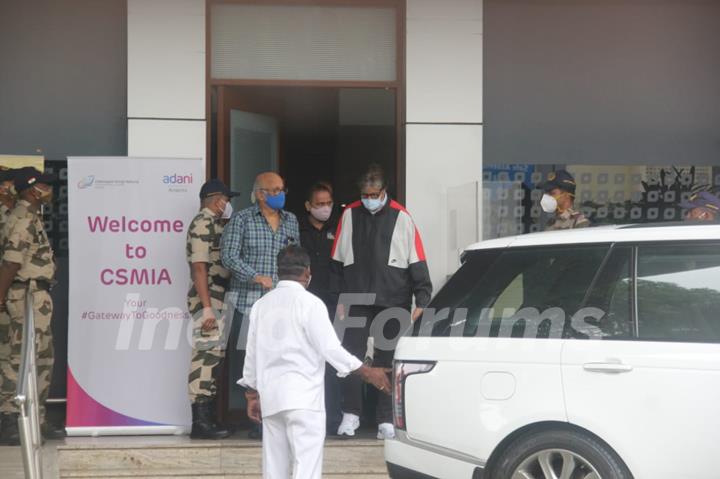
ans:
(250, 244)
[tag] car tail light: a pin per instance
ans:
(402, 370)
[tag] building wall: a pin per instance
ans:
(444, 119)
(63, 77)
(602, 82)
(166, 78)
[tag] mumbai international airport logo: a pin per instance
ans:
(86, 182)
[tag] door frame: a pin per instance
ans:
(218, 162)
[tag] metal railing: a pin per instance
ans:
(27, 398)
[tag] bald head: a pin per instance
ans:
(266, 185)
(268, 181)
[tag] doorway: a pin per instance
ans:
(306, 134)
(313, 90)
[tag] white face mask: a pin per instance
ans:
(374, 205)
(227, 211)
(321, 214)
(548, 203)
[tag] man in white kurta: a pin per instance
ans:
(289, 340)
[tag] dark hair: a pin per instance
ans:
(374, 176)
(292, 261)
(319, 186)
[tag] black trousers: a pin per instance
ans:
(355, 341)
(333, 396)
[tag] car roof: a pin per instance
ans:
(607, 234)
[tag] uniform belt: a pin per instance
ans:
(42, 284)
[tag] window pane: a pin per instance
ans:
(454, 292)
(303, 42)
(610, 299)
(524, 293)
(511, 299)
(679, 293)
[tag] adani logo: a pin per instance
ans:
(177, 179)
(86, 182)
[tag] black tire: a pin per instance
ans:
(598, 454)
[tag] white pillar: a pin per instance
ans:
(444, 117)
(166, 78)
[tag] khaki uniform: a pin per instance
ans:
(567, 220)
(203, 246)
(26, 243)
(4, 316)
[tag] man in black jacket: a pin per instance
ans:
(377, 252)
(317, 234)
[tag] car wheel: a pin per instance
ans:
(558, 454)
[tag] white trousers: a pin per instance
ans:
(293, 440)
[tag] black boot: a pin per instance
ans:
(213, 414)
(10, 431)
(203, 425)
(51, 431)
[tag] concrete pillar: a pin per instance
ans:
(444, 118)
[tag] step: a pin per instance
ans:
(163, 457)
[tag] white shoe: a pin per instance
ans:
(386, 431)
(349, 424)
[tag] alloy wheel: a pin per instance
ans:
(555, 464)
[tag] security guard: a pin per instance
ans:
(702, 206)
(28, 266)
(558, 199)
(206, 305)
(8, 196)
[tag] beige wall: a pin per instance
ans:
(444, 117)
(166, 78)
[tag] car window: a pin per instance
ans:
(678, 293)
(511, 299)
(607, 311)
(457, 288)
(528, 292)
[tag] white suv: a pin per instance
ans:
(584, 354)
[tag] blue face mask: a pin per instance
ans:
(373, 205)
(276, 202)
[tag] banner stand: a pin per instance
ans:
(129, 332)
(127, 431)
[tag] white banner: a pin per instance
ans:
(129, 330)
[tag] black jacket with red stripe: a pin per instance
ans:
(381, 253)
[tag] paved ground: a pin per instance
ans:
(11, 466)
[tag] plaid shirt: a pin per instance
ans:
(250, 248)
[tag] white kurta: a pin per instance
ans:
(289, 340)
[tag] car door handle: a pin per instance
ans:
(610, 368)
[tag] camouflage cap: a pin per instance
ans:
(559, 179)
